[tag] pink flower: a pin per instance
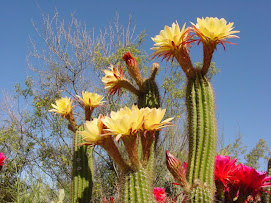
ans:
(224, 168)
(160, 194)
(251, 181)
(2, 160)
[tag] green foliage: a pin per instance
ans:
(259, 151)
(236, 149)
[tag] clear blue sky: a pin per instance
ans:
(243, 90)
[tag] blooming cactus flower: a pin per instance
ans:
(169, 40)
(112, 78)
(2, 160)
(215, 30)
(224, 169)
(251, 182)
(153, 119)
(160, 194)
(90, 99)
(62, 106)
(92, 133)
(126, 121)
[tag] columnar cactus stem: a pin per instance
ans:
(202, 138)
(81, 171)
(150, 98)
(150, 93)
(267, 196)
(137, 187)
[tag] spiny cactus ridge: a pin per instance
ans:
(81, 170)
(202, 138)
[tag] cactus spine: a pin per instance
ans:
(202, 138)
(81, 170)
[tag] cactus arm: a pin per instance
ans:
(81, 171)
(267, 195)
(137, 187)
(202, 138)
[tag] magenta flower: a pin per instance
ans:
(160, 194)
(2, 160)
(224, 168)
(251, 182)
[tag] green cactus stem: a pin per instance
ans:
(150, 97)
(267, 195)
(202, 138)
(81, 170)
(138, 187)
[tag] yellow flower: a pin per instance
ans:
(63, 106)
(91, 99)
(214, 30)
(112, 78)
(92, 133)
(153, 119)
(169, 40)
(126, 121)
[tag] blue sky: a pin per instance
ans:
(242, 88)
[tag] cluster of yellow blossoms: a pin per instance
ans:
(209, 30)
(125, 122)
(63, 105)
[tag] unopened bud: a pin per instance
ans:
(177, 170)
(133, 68)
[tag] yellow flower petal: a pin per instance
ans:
(153, 119)
(92, 133)
(112, 78)
(169, 40)
(91, 99)
(214, 29)
(63, 106)
(124, 122)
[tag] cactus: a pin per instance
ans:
(137, 187)
(202, 137)
(150, 95)
(267, 195)
(138, 184)
(81, 170)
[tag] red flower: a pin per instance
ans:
(2, 160)
(224, 168)
(160, 194)
(251, 181)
